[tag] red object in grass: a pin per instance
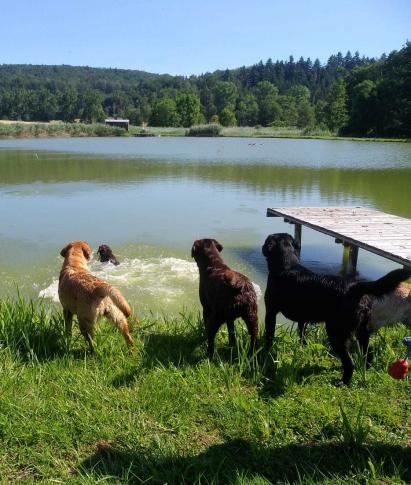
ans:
(398, 369)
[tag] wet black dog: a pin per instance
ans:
(306, 297)
(106, 255)
(225, 294)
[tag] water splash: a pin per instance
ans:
(51, 292)
(165, 279)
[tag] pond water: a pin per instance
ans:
(150, 198)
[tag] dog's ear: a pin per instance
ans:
(218, 245)
(297, 246)
(64, 251)
(267, 246)
(86, 250)
(194, 248)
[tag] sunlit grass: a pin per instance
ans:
(60, 129)
(168, 415)
(41, 130)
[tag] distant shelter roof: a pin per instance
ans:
(116, 120)
(120, 123)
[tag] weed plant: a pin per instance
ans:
(354, 430)
(212, 129)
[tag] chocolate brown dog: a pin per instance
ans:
(224, 294)
(106, 255)
(88, 297)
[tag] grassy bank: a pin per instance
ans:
(56, 129)
(167, 415)
(47, 130)
(273, 132)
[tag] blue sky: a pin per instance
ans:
(192, 37)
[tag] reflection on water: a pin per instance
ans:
(150, 198)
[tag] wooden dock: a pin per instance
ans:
(355, 227)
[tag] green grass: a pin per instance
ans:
(45, 130)
(159, 131)
(265, 132)
(59, 129)
(167, 415)
(292, 132)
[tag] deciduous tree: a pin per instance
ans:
(189, 109)
(92, 106)
(337, 115)
(165, 113)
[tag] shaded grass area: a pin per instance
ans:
(168, 415)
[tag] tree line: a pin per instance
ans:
(348, 94)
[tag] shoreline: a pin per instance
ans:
(19, 130)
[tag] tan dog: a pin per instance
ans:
(88, 297)
(392, 308)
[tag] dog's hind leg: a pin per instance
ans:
(206, 316)
(120, 321)
(87, 330)
(270, 322)
(68, 321)
(251, 320)
(212, 329)
(363, 337)
(362, 332)
(231, 333)
(339, 344)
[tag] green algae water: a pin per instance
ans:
(150, 198)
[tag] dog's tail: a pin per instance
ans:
(380, 287)
(116, 296)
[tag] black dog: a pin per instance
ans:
(306, 297)
(224, 294)
(106, 255)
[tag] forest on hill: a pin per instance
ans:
(349, 94)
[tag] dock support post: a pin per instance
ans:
(297, 233)
(350, 258)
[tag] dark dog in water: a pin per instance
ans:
(224, 294)
(106, 255)
(306, 297)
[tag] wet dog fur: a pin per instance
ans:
(105, 255)
(307, 297)
(89, 297)
(225, 294)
